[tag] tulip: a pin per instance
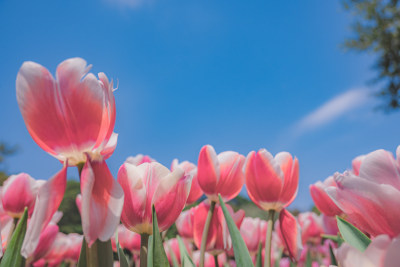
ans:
(19, 191)
(291, 234)
(271, 182)
(152, 184)
(311, 226)
(322, 200)
(381, 252)
(127, 239)
(74, 245)
(184, 223)
(172, 250)
(46, 240)
(139, 159)
(190, 169)
(250, 229)
(220, 174)
(72, 118)
(209, 261)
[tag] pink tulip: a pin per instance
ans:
(139, 159)
(209, 259)
(330, 225)
(381, 252)
(322, 200)
(218, 239)
(19, 191)
(72, 118)
(127, 239)
(250, 229)
(291, 234)
(220, 174)
(152, 184)
(171, 248)
(190, 169)
(311, 227)
(271, 182)
(74, 245)
(184, 223)
(356, 164)
(57, 252)
(46, 240)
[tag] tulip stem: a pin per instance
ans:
(205, 233)
(144, 243)
(268, 240)
(216, 260)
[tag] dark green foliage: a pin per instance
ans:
(5, 151)
(377, 28)
(71, 220)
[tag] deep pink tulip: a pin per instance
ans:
(127, 240)
(381, 252)
(72, 118)
(19, 191)
(311, 226)
(271, 182)
(184, 223)
(220, 174)
(291, 234)
(190, 169)
(322, 200)
(139, 159)
(152, 184)
(250, 229)
(218, 239)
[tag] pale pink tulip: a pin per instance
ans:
(311, 226)
(220, 174)
(271, 183)
(190, 169)
(381, 252)
(19, 191)
(152, 184)
(46, 240)
(251, 231)
(330, 225)
(356, 164)
(322, 200)
(74, 245)
(139, 159)
(184, 223)
(127, 240)
(218, 238)
(72, 118)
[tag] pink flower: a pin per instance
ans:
(381, 252)
(19, 191)
(74, 245)
(208, 259)
(191, 169)
(250, 229)
(152, 184)
(271, 182)
(311, 227)
(72, 118)
(46, 240)
(171, 248)
(127, 239)
(291, 234)
(356, 164)
(371, 200)
(184, 223)
(322, 200)
(139, 159)
(218, 239)
(220, 174)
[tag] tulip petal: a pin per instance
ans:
(102, 202)
(392, 257)
(322, 200)
(47, 202)
(208, 171)
(199, 221)
(291, 234)
(291, 183)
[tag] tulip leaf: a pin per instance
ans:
(82, 255)
(352, 235)
(185, 258)
(242, 256)
(12, 256)
(259, 256)
(156, 250)
(100, 254)
(150, 252)
(335, 238)
(123, 262)
(332, 255)
(308, 259)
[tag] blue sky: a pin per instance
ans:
(239, 75)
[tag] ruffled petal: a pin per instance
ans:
(102, 202)
(48, 200)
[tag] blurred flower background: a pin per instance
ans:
(238, 75)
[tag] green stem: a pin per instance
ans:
(268, 240)
(205, 233)
(144, 241)
(216, 260)
(92, 258)
(99, 254)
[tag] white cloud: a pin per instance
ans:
(333, 109)
(126, 3)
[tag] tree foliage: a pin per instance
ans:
(71, 220)
(377, 28)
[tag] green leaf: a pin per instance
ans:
(158, 255)
(185, 258)
(352, 235)
(150, 252)
(332, 255)
(335, 238)
(12, 256)
(308, 259)
(278, 259)
(123, 262)
(242, 256)
(259, 256)
(82, 255)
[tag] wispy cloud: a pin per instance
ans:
(333, 109)
(126, 3)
